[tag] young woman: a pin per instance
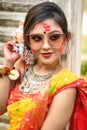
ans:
(43, 95)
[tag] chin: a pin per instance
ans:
(48, 62)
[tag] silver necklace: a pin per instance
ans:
(31, 81)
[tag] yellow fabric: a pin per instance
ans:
(62, 78)
(17, 110)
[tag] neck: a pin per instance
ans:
(44, 69)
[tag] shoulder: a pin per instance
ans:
(68, 94)
(67, 97)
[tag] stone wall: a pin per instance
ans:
(12, 11)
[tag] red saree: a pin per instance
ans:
(28, 111)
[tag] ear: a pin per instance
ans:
(69, 36)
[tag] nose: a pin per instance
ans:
(46, 43)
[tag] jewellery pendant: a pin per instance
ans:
(31, 81)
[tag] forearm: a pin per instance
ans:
(8, 75)
(5, 86)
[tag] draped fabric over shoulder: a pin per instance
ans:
(28, 111)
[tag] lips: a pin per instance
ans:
(49, 54)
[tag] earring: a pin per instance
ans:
(28, 57)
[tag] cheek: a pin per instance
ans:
(60, 50)
(33, 51)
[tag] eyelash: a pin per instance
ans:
(55, 37)
(38, 38)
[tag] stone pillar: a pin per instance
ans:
(73, 10)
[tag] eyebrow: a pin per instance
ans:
(49, 32)
(56, 31)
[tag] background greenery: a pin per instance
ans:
(84, 44)
(84, 49)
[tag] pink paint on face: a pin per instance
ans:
(46, 27)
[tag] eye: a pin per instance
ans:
(36, 38)
(55, 37)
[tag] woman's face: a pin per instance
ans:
(47, 41)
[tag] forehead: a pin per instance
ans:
(47, 25)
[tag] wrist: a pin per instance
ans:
(8, 64)
(12, 74)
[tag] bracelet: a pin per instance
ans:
(13, 74)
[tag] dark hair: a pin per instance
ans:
(41, 12)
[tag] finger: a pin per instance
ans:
(9, 45)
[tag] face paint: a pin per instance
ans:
(61, 49)
(46, 27)
(33, 51)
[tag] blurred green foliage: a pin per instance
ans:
(84, 44)
(84, 49)
(83, 67)
(85, 5)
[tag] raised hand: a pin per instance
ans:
(10, 56)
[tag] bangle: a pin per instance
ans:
(13, 74)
